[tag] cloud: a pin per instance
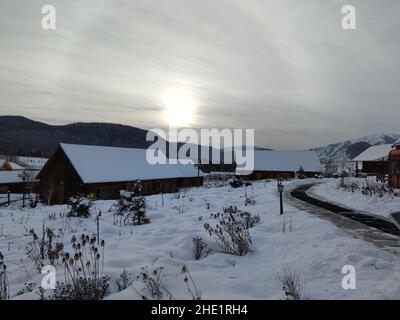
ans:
(285, 68)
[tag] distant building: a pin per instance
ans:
(394, 166)
(101, 172)
(31, 163)
(374, 160)
(10, 166)
(283, 164)
(11, 181)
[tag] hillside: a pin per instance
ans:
(22, 136)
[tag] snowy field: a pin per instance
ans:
(311, 248)
(376, 204)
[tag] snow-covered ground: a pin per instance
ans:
(314, 249)
(382, 206)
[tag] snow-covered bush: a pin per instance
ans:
(198, 248)
(33, 201)
(130, 208)
(231, 232)
(4, 286)
(300, 174)
(79, 207)
(42, 250)
(236, 182)
(83, 272)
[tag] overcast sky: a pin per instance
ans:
(283, 67)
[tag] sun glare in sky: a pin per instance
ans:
(179, 108)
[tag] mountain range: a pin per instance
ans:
(349, 149)
(26, 137)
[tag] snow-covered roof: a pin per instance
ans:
(375, 153)
(15, 166)
(95, 164)
(14, 176)
(32, 162)
(9, 177)
(270, 160)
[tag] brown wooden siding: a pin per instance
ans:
(375, 167)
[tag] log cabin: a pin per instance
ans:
(374, 160)
(270, 164)
(11, 181)
(101, 172)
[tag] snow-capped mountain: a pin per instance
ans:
(343, 151)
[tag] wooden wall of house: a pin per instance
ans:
(110, 190)
(375, 167)
(60, 172)
(12, 187)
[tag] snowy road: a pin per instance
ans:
(384, 235)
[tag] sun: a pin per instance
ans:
(179, 108)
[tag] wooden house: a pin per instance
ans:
(10, 166)
(374, 160)
(270, 164)
(101, 172)
(394, 166)
(11, 181)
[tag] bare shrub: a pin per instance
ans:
(124, 281)
(28, 287)
(190, 284)
(249, 200)
(231, 232)
(198, 248)
(4, 285)
(291, 285)
(49, 189)
(153, 284)
(43, 250)
(368, 187)
(83, 272)
(250, 220)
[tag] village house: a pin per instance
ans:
(270, 164)
(12, 181)
(10, 166)
(101, 172)
(394, 166)
(374, 160)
